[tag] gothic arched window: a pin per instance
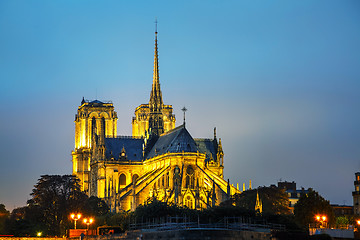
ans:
(189, 201)
(122, 180)
(135, 177)
(190, 178)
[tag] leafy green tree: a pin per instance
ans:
(310, 205)
(274, 200)
(342, 222)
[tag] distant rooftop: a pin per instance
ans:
(95, 101)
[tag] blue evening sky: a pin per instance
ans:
(279, 79)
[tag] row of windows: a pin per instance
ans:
(122, 179)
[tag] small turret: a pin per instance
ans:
(258, 204)
(220, 153)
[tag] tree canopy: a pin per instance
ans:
(54, 198)
(310, 205)
(274, 200)
(3, 216)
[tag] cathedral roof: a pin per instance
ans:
(176, 140)
(132, 146)
(208, 146)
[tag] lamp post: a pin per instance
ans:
(321, 219)
(75, 217)
(88, 221)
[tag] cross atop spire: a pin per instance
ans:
(156, 25)
(184, 109)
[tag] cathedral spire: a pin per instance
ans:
(156, 103)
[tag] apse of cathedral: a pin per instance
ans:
(158, 161)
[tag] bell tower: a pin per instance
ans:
(88, 114)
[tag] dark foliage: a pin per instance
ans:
(157, 212)
(274, 200)
(310, 205)
(54, 198)
(4, 214)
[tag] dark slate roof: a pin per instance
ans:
(207, 146)
(176, 140)
(133, 147)
(96, 101)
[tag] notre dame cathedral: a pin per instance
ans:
(158, 161)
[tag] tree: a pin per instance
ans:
(54, 198)
(94, 206)
(4, 214)
(342, 222)
(274, 200)
(310, 205)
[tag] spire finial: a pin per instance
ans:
(184, 109)
(156, 25)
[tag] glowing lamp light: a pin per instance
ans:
(358, 222)
(88, 221)
(322, 219)
(75, 217)
(39, 234)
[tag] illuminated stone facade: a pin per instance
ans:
(158, 161)
(89, 116)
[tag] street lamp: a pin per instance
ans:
(75, 218)
(321, 219)
(88, 221)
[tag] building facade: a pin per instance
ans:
(293, 193)
(356, 194)
(158, 161)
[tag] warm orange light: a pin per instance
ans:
(75, 218)
(318, 217)
(88, 221)
(323, 218)
(358, 222)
